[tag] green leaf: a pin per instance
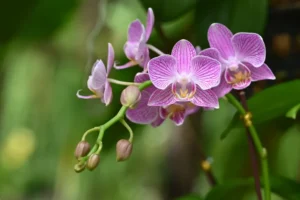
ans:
(292, 113)
(237, 15)
(167, 10)
(189, 197)
(269, 104)
(284, 187)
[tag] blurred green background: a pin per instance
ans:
(46, 53)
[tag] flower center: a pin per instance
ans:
(236, 75)
(183, 89)
(171, 109)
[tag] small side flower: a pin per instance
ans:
(98, 81)
(136, 48)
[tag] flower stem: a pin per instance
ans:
(118, 117)
(252, 152)
(257, 143)
(97, 128)
(128, 128)
(154, 49)
(122, 82)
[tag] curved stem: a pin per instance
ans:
(128, 128)
(118, 117)
(97, 128)
(259, 148)
(122, 82)
(154, 49)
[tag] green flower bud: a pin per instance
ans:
(93, 161)
(130, 96)
(79, 167)
(124, 149)
(82, 149)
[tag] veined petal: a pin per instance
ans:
(206, 72)
(98, 77)
(150, 22)
(158, 121)
(178, 118)
(144, 58)
(93, 96)
(239, 78)
(162, 97)
(223, 88)
(127, 65)
(110, 58)
(190, 108)
(136, 31)
(260, 73)
(143, 114)
(219, 37)
(162, 71)
(212, 53)
(184, 51)
(107, 94)
(141, 77)
(249, 47)
(205, 98)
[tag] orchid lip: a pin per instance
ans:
(236, 75)
(184, 90)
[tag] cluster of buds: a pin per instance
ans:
(173, 86)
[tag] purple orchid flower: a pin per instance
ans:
(156, 115)
(242, 56)
(136, 48)
(184, 77)
(98, 81)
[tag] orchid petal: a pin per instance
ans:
(260, 73)
(205, 98)
(239, 78)
(212, 53)
(136, 31)
(107, 94)
(249, 47)
(219, 37)
(150, 22)
(178, 118)
(223, 88)
(162, 71)
(93, 96)
(143, 114)
(98, 77)
(158, 121)
(206, 72)
(162, 97)
(110, 58)
(127, 65)
(184, 51)
(141, 77)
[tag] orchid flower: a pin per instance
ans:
(98, 81)
(242, 56)
(136, 48)
(156, 115)
(184, 77)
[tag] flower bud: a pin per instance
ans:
(124, 149)
(79, 167)
(82, 149)
(93, 161)
(130, 96)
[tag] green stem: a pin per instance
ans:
(122, 82)
(118, 117)
(128, 128)
(97, 128)
(259, 148)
